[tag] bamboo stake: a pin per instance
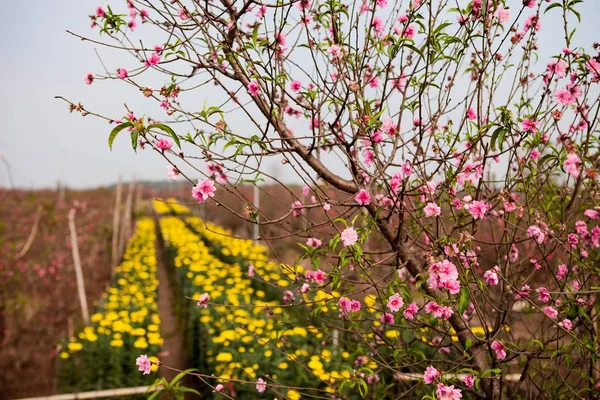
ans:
(61, 193)
(96, 394)
(32, 233)
(115, 228)
(126, 225)
(256, 199)
(78, 271)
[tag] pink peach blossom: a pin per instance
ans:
(349, 236)
(203, 190)
(144, 365)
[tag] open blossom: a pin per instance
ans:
(172, 172)
(543, 295)
(593, 67)
(319, 276)
(557, 68)
(144, 365)
(498, 347)
(335, 51)
(183, 14)
(163, 144)
(261, 385)
(153, 60)
(387, 318)
(478, 209)
(378, 25)
(471, 114)
(410, 311)
(591, 213)
(395, 302)
(523, 293)
(491, 276)
(99, 12)
(502, 14)
(369, 156)
(297, 208)
(550, 312)
(562, 271)
(296, 86)
(430, 375)
(260, 14)
(469, 380)
(432, 209)
(529, 125)
(444, 275)
(254, 88)
(536, 233)
(566, 324)
(438, 311)
(349, 236)
(533, 21)
(445, 392)
(314, 242)
(363, 197)
(347, 306)
(571, 165)
(203, 190)
(409, 31)
(203, 300)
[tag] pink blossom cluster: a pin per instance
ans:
(203, 190)
(348, 306)
(438, 311)
(444, 275)
(317, 276)
(217, 171)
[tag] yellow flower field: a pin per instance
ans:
(126, 323)
(243, 336)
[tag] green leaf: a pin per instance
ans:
(551, 6)
(134, 139)
(498, 137)
(573, 313)
(154, 395)
(468, 344)
(188, 390)
(115, 132)
(167, 129)
(255, 34)
(179, 377)
(463, 300)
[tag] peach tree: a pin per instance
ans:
(448, 161)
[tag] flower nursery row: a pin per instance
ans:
(241, 337)
(281, 324)
(126, 324)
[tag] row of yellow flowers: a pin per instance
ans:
(247, 337)
(127, 323)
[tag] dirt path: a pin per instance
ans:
(173, 349)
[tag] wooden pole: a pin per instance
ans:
(115, 228)
(98, 394)
(78, 271)
(256, 199)
(32, 233)
(126, 224)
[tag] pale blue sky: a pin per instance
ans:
(44, 143)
